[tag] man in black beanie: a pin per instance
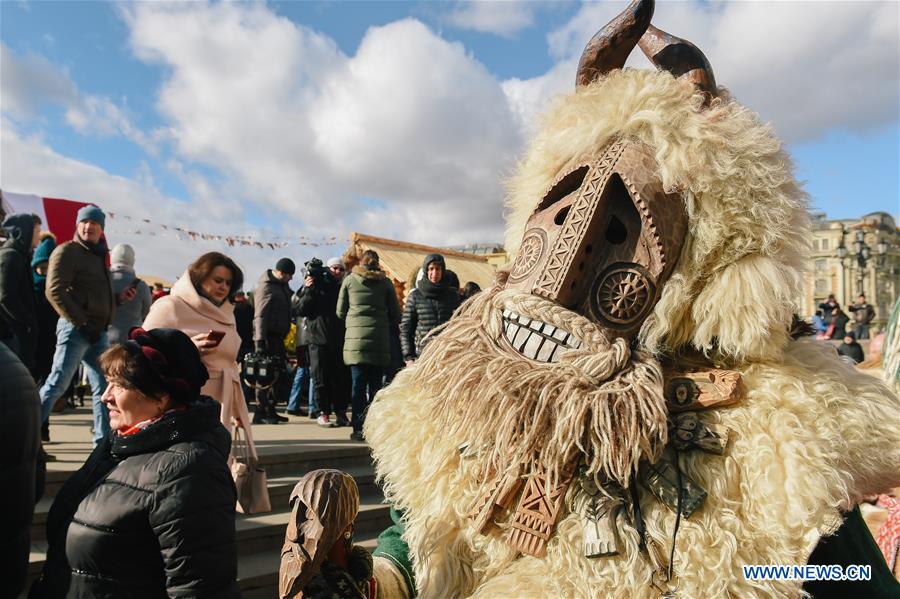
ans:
(271, 323)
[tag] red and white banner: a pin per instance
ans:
(57, 215)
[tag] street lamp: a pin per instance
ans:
(862, 253)
(881, 247)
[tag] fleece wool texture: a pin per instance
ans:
(812, 437)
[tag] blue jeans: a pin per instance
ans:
(366, 380)
(72, 348)
(297, 387)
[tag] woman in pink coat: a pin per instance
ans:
(201, 305)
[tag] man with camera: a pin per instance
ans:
(271, 323)
(317, 301)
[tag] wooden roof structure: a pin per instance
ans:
(401, 260)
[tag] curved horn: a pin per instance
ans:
(610, 47)
(680, 57)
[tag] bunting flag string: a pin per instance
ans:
(232, 240)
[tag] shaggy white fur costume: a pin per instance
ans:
(812, 437)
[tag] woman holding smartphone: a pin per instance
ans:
(202, 305)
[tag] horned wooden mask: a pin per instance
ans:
(606, 236)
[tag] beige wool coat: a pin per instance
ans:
(188, 311)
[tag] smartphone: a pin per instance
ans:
(215, 337)
(134, 283)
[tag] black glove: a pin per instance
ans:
(90, 332)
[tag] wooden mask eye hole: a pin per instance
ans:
(564, 187)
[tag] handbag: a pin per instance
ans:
(249, 479)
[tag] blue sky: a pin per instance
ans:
(397, 119)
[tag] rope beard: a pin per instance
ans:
(602, 401)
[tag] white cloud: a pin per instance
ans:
(808, 67)
(27, 83)
(504, 18)
(30, 81)
(411, 119)
(30, 166)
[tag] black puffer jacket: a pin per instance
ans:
(427, 306)
(318, 304)
(19, 442)
(148, 515)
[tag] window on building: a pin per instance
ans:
(824, 244)
(821, 264)
(821, 285)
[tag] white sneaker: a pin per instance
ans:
(323, 420)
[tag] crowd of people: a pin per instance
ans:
(167, 392)
(830, 322)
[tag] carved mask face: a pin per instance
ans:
(603, 240)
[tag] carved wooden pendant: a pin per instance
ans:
(661, 479)
(687, 431)
(537, 511)
(702, 389)
(499, 497)
(598, 510)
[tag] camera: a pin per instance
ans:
(261, 370)
(316, 269)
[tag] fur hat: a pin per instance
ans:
(91, 212)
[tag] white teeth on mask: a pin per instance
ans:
(520, 338)
(537, 340)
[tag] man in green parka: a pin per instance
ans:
(367, 303)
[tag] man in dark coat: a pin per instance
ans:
(429, 305)
(18, 323)
(851, 348)
(324, 337)
(79, 287)
(19, 467)
(863, 313)
(271, 323)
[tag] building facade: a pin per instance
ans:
(850, 257)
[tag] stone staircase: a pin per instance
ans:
(286, 452)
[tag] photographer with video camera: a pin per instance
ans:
(271, 323)
(317, 301)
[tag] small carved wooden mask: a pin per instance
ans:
(604, 239)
